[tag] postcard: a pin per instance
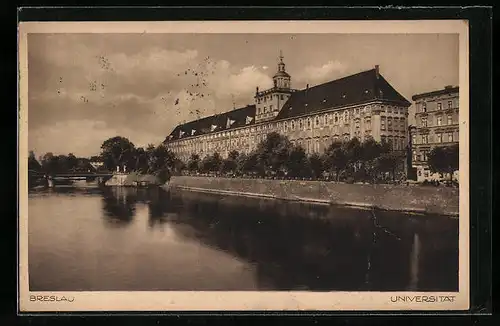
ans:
(243, 166)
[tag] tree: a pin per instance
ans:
(83, 164)
(273, 152)
(444, 159)
(211, 163)
(216, 162)
(353, 152)
(193, 163)
(71, 161)
(161, 158)
(95, 158)
(335, 158)
(247, 163)
(178, 165)
(141, 160)
(49, 163)
(117, 151)
(33, 164)
(228, 165)
(297, 164)
(234, 155)
(370, 150)
(205, 164)
(316, 164)
(388, 162)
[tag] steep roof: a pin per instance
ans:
(360, 88)
(237, 118)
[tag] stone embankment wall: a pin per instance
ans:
(117, 180)
(409, 199)
(132, 179)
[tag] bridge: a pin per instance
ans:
(73, 175)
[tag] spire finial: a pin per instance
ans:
(281, 56)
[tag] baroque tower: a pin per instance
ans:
(269, 102)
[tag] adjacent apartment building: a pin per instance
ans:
(437, 124)
(360, 105)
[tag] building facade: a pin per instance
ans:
(436, 124)
(360, 105)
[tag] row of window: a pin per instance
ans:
(270, 98)
(394, 110)
(439, 106)
(265, 109)
(310, 145)
(395, 142)
(424, 122)
(392, 124)
(439, 138)
(308, 123)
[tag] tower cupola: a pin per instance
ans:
(281, 78)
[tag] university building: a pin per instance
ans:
(437, 124)
(360, 105)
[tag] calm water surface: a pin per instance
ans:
(125, 239)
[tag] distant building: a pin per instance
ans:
(360, 105)
(96, 165)
(437, 124)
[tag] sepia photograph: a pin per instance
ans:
(243, 166)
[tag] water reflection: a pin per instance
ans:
(297, 246)
(118, 205)
(287, 246)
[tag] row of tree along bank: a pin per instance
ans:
(274, 157)
(115, 152)
(351, 161)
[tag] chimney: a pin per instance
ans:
(377, 71)
(307, 86)
(257, 90)
(448, 87)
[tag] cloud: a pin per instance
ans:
(317, 74)
(77, 79)
(83, 137)
(241, 84)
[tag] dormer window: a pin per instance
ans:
(366, 91)
(343, 96)
(324, 100)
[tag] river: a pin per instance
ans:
(128, 239)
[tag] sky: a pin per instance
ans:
(86, 88)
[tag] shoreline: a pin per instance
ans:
(430, 201)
